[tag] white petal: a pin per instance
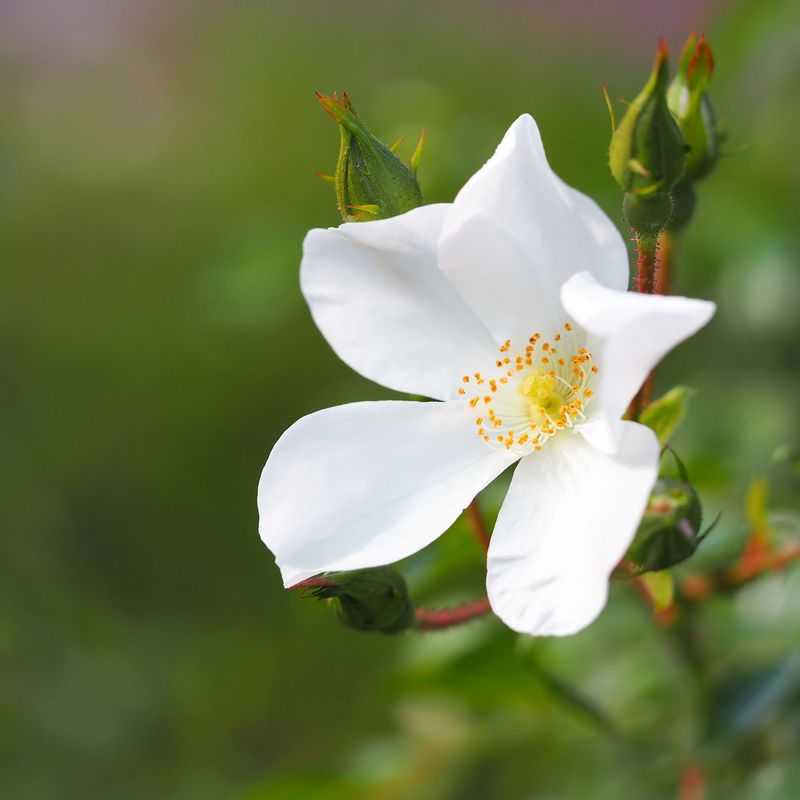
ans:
(367, 484)
(516, 232)
(378, 297)
(628, 334)
(568, 519)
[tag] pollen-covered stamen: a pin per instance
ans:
(532, 394)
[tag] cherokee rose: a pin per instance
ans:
(509, 306)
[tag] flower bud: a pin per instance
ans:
(670, 530)
(690, 105)
(646, 154)
(371, 181)
(368, 599)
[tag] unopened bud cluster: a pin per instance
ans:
(666, 140)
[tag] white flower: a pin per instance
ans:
(510, 307)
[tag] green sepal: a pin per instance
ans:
(646, 154)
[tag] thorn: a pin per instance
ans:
(416, 156)
(325, 177)
(393, 147)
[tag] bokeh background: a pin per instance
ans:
(157, 165)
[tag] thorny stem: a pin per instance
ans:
(431, 620)
(654, 264)
(478, 524)
(645, 262)
(664, 261)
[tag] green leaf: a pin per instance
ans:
(666, 414)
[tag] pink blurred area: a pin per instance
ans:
(70, 33)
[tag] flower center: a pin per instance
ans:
(531, 395)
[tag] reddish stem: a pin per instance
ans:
(664, 261)
(449, 617)
(645, 263)
(478, 525)
(653, 275)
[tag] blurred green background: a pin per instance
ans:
(157, 168)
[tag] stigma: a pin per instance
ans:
(531, 394)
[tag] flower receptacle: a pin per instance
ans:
(371, 182)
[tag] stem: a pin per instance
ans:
(665, 259)
(645, 262)
(478, 524)
(654, 266)
(449, 617)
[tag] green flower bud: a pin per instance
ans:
(371, 181)
(690, 105)
(374, 600)
(646, 154)
(670, 530)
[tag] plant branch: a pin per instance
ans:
(432, 620)
(646, 247)
(478, 524)
(654, 268)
